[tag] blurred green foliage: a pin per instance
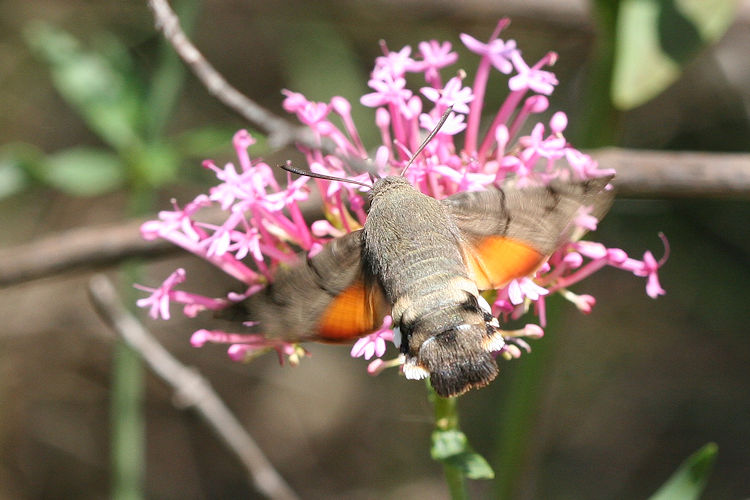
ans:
(124, 109)
(642, 47)
(656, 38)
(689, 480)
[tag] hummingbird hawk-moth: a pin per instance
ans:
(424, 261)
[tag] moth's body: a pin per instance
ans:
(412, 246)
(424, 261)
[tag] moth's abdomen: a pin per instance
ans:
(454, 344)
(425, 279)
(457, 360)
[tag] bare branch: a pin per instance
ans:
(74, 249)
(281, 133)
(665, 174)
(653, 174)
(191, 389)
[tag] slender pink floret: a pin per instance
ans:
(263, 227)
(374, 343)
(161, 297)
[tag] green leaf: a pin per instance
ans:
(103, 90)
(154, 165)
(84, 171)
(12, 176)
(319, 61)
(19, 163)
(448, 443)
(656, 38)
(690, 478)
(471, 464)
(451, 447)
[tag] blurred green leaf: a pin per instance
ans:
(103, 91)
(19, 162)
(83, 171)
(471, 464)
(689, 480)
(448, 443)
(154, 165)
(655, 38)
(451, 447)
(320, 62)
(12, 176)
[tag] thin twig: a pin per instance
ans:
(280, 132)
(191, 388)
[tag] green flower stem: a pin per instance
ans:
(128, 425)
(456, 482)
(169, 76)
(446, 419)
(127, 420)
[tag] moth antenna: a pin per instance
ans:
(428, 138)
(289, 168)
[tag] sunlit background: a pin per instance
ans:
(607, 406)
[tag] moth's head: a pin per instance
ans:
(456, 360)
(389, 183)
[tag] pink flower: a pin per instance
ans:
(158, 301)
(374, 343)
(551, 147)
(263, 226)
(247, 346)
(435, 56)
(585, 303)
(161, 297)
(394, 64)
(648, 267)
(452, 126)
(533, 78)
(518, 290)
(452, 95)
(499, 52)
(388, 90)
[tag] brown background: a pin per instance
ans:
(628, 392)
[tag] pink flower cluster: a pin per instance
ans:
(264, 227)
